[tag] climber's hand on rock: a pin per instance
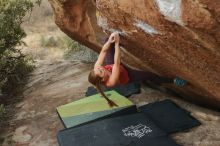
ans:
(117, 38)
(111, 39)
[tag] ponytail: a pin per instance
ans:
(97, 81)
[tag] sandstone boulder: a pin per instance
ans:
(168, 37)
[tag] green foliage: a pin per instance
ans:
(12, 13)
(75, 50)
(38, 2)
(72, 46)
(49, 42)
(2, 110)
(13, 70)
(13, 64)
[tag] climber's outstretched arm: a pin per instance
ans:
(104, 51)
(114, 78)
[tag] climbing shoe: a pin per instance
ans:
(180, 82)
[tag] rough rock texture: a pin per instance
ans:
(168, 37)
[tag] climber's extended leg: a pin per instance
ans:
(139, 76)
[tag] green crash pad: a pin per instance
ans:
(93, 108)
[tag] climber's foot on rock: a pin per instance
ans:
(180, 82)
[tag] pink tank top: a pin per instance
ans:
(123, 77)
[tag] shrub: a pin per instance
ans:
(48, 42)
(2, 110)
(72, 47)
(13, 64)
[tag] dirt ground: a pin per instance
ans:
(36, 121)
(56, 81)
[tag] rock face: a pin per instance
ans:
(168, 37)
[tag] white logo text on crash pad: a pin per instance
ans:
(138, 131)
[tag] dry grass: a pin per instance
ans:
(42, 34)
(45, 41)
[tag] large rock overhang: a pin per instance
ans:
(169, 37)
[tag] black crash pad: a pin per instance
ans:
(129, 130)
(125, 90)
(169, 116)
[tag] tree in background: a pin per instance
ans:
(14, 65)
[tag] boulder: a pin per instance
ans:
(168, 37)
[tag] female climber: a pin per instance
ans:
(109, 71)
